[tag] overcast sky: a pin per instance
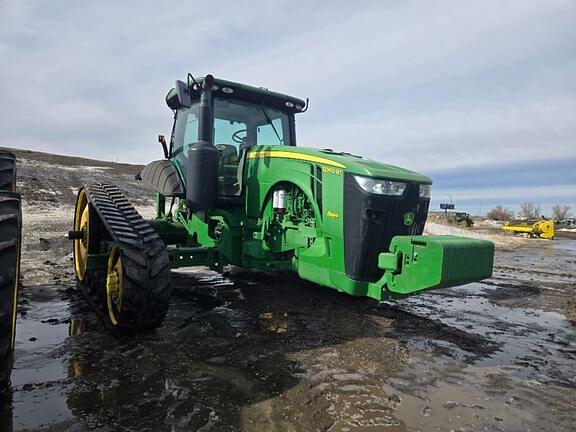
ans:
(480, 95)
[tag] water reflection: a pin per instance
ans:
(76, 327)
(274, 322)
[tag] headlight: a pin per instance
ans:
(425, 190)
(379, 186)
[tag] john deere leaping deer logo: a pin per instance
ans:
(408, 219)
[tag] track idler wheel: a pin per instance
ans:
(86, 234)
(120, 261)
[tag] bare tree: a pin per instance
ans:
(529, 210)
(500, 213)
(560, 211)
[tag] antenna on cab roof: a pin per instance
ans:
(193, 80)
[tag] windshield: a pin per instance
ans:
(237, 127)
(244, 124)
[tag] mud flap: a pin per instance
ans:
(417, 263)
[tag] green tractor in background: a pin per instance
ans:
(234, 189)
(462, 219)
(10, 239)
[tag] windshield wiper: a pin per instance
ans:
(267, 117)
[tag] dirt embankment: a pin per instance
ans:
(47, 180)
(48, 185)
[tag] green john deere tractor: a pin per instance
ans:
(10, 238)
(234, 189)
(462, 219)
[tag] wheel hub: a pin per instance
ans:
(113, 285)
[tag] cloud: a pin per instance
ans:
(538, 130)
(506, 193)
(517, 174)
(432, 86)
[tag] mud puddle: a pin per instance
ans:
(517, 319)
(537, 344)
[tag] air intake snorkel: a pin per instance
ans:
(203, 157)
(205, 112)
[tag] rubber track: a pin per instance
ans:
(10, 234)
(7, 172)
(147, 276)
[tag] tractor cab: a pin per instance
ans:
(233, 118)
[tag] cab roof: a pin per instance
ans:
(243, 92)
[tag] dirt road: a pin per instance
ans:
(268, 352)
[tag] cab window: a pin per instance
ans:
(239, 126)
(228, 139)
(185, 135)
(266, 134)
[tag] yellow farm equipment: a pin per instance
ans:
(542, 228)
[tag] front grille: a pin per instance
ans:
(370, 222)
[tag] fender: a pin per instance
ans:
(163, 177)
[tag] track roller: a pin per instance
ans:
(10, 239)
(131, 286)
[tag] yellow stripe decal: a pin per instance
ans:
(291, 155)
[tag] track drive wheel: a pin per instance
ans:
(10, 238)
(133, 289)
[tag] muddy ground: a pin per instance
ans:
(256, 351)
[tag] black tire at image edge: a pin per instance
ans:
(10, 235)
(7, 171)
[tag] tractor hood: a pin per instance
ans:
(340, 160)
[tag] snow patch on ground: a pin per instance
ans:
(30, 163)
(501, 241)
(37, 214)
(488, 223)
(49, 192)
(92, 168)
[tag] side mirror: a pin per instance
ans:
(183, 93)
(162, 140)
